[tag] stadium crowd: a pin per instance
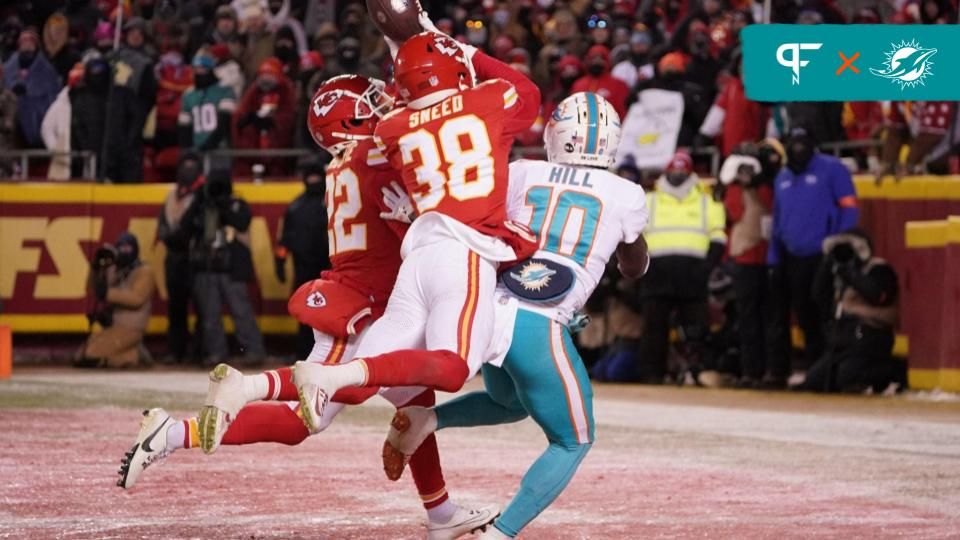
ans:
(149, 78)
(155, 81)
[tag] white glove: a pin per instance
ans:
(393, 46)
(427, 24)
(399, 203)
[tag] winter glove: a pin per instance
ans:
(399, 204)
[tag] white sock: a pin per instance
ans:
(175, 435)
(442, 512)
(255, 387)
(349, 374)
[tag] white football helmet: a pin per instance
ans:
(584, 129)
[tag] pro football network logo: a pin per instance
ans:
(533, 276)
(794, 62)
(907, 64)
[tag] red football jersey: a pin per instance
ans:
(364, 249)
(454, 155)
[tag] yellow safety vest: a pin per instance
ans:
(684, 226)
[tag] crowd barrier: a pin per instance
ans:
(48, 232)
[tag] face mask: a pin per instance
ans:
(596, 69)
(349, 57)
(638, 58)
(266, 86)
(187, 174)
(675, 179)
(567, 82)
(27, 58)
(477, 37)
(204, 80)
(285, 54)
(127, 250)
(799, 156)
(315, 188)
(501, 17)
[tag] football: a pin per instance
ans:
(397, 19)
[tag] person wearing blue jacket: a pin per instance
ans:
(33, 79)
(814, 198)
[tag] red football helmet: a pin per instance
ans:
(345, 109)
(428, 63)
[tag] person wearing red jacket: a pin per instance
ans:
(599, 80)
(734, 117)
(265, 118)
(748, 198)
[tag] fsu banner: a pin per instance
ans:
(49, 232)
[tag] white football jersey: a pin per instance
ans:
(581, 215)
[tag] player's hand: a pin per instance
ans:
(280, 268)
(393, 46)
(399, 203)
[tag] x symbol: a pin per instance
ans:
(848, 63)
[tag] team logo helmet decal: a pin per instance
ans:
(316, 300)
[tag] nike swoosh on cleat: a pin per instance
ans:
(317, 405)
(146, 442)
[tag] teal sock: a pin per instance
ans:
(476, 409)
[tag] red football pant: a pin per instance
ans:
(439, 370)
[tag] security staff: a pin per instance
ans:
(686, 240)
(814, 198)
(303, 234)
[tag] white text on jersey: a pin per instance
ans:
(568, 176)
(451, 105)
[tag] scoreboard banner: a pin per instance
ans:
(49, 232)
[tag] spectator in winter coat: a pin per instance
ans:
(672, 70)
(8, 126)
(928, 122)
(55, 128)
(565, 73)
(265, 116)
(134, 94)
(30, 76)
(206, 110)
(174, 77)
(733, 117)
(599, 80)
(55, 34)
(639, 66)
(88, 109)
(258, 40)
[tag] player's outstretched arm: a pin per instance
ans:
(633, 259)
(528, 95)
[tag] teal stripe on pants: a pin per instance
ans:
(531, 381)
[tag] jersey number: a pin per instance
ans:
(464, 147)
(572, 209)
(204, 118)
(344, 187)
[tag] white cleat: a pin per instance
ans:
(315, 390)
(408, 429)
(493, 533)
(150, 447)
(225, 398)
(464, 521)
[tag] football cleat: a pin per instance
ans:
(464, 521)
(315, 391)
(150, 447)
(493, 533)
(408, 429)
(225, 398)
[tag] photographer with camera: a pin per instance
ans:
(123, 288)
(865, 298)
(746, 180)
(217, 226)
(176, 263)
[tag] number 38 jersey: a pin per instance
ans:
(364, 249)
(453, 157)
(581, 215)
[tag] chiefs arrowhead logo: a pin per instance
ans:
(316, 300)
(446, 45)
(325, 101)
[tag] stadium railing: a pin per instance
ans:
(25, 156)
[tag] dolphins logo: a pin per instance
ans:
(907, 64)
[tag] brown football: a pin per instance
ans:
(397, 19)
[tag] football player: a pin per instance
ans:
(365, 255)
(583, 214)
(451, 142)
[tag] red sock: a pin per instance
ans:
(425, 462)
(355, 395)
(440, 370)
(280, 383)
(266, 422)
